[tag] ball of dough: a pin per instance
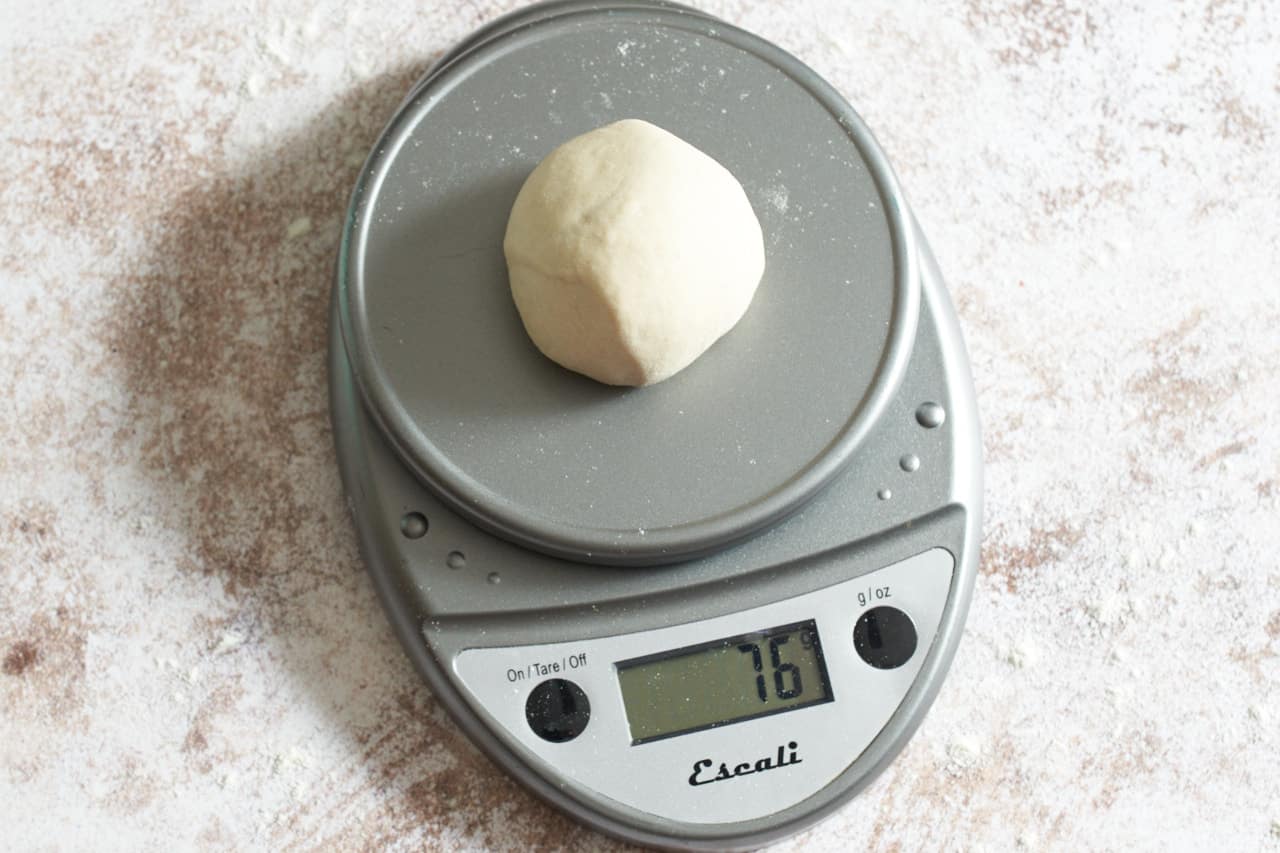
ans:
(631, 252)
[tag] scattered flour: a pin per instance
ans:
(777, 197)
(298, 228)
(964, 752)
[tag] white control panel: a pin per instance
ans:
(773, 737)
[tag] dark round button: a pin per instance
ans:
(557, 710)
(884, 637)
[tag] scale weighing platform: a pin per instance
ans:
(702, 614)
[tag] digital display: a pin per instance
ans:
(724, 681)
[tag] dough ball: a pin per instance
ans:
(631, 252)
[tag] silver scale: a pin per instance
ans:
(700, 615)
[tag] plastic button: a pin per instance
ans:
(557, 710)
(884, 637)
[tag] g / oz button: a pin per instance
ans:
(884, 637)
(557, 710)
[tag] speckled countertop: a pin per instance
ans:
(192, 654)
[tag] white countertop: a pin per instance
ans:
(192, 654)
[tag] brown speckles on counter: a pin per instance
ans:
(219, 334)
(130, 787)
(1233, 448)
(1011, 561)
(46, 658)
(21, 656)
(1177, 390)
(1257, 662)
(190, 653)
(211, 740)
(1036, 30)
(1242, 123)
(195, 741)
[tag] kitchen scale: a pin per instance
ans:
(699, 615)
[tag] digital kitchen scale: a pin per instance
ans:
(699, 615)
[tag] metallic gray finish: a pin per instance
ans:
(535, 12)
(537, 454)
(909, 462)
(437, 614)
(650, 777)
(413, 525)
(438, 610)
(930, 415)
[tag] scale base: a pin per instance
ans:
(518, 629)
(456, 588)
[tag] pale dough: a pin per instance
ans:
(631, 252)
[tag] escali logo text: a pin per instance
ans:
(701, 774)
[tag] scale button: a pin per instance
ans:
(557, 710)
(884, 637)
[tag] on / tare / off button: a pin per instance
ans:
(884, 637)
(557, 710)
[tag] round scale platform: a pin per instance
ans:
(555, 461)
(700, 615)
